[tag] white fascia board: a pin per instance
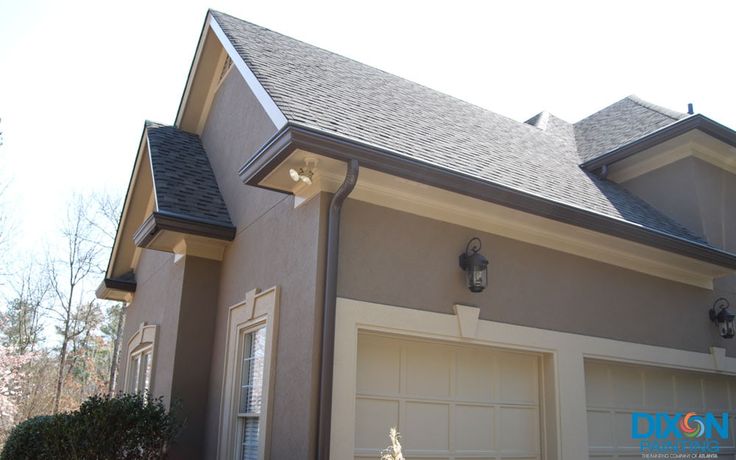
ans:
(192, 69)
(142, 146)
(153, 178)
(274, 113)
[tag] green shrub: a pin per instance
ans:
(129, 427)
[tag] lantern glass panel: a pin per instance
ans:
(477, 278)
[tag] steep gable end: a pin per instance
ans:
(173, 201)
(216, 56)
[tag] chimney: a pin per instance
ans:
(690, 109)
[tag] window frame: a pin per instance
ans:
(259, 309)
(142, 343)
(241, 417)
(136, 381)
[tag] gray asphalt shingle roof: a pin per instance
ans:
(185, 185)
(329, 92)
(619, 124)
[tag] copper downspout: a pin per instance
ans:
(330, 306)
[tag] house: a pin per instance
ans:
(290, 251)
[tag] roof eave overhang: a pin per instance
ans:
(120, 285)
(295, 136)
(161, 221)
(694, 122)
(116, 289)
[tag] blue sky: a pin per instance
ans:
(78, 78)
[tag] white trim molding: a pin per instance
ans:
(696, 144)
(420, 199)
(273, 111)
(259, 309)
(143, 341)
(206, 248)
(565, 430)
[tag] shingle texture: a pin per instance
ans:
(329, 92)
(184, 181)
(619, 124)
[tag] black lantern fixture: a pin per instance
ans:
(723, 318)
(475, 266)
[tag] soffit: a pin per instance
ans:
(439, 204)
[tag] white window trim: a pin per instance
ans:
(565, 430)
(257, 310)
(138, 373)
(143, 341)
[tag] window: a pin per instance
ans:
(139, 379)
(250, 341)
(253, 352)
(139, 371)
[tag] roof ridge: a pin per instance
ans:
(148, 123)
(157, 125)
(385, 72)
(675, 115)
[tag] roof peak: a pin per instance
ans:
(543, 119)
(487, 111)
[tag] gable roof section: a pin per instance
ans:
(695, 122)
(184, 183)
(619, 124)
(172, 172)
(323, 92)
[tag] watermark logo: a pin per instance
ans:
(688, 435)
(698, 428)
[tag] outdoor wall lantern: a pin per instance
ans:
(723, 318)
(475, 266)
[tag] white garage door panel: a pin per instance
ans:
(449, 401)
(614, 391)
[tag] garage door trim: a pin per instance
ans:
(565, 421)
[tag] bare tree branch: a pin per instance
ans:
(26, 310)
(67, 276)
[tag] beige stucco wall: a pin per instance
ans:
(699, 195)
(179, 298)
(275, 245)
(401, 259)
(189, 300)
(195, 332)
(156, 301)
(385, 257)
(695, 193)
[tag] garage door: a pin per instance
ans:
(614, 391)
(448, 401)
